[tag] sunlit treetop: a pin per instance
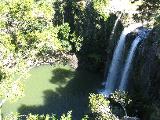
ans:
(24, 24)
(27, 9)
(100, 6)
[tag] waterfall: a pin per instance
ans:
(124, 80)
(115, 25)
(114, 69)
(128, 63)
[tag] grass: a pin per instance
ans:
(56, 90)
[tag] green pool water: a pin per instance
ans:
(55, 89)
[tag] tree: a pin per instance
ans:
(100, 106)
(122, 98)
(13, 72)
(25, 28)
(148, 11)
(28, 24)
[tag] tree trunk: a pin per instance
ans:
(125, 111)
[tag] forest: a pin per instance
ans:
(80, 60)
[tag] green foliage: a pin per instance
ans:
(101, 6)
(11, 116)
(59, 6)
(25, 30)
(70, 42)
(13, 73)
(149, 11)
(67, 117)
(85, 117)
(157, 17)
(84, 28)
(76, 41)
(32, 117)
(16, 116)
(100, 106)
(122, 98)
(28, 23)
(63, 35)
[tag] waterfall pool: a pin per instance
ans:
(56, 89)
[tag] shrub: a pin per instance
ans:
(100, 107)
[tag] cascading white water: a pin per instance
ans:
(117, 59)
(115, 25)
(123, 83)
(124, 80)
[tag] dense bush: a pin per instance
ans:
(100, 106)
(27, 23)
(16, 116)
(13, 116)
(105, 108)
(89, 31)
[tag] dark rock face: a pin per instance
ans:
(146, 69)
(145, 76)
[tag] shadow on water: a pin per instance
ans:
(61, 75)
(71, 95)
